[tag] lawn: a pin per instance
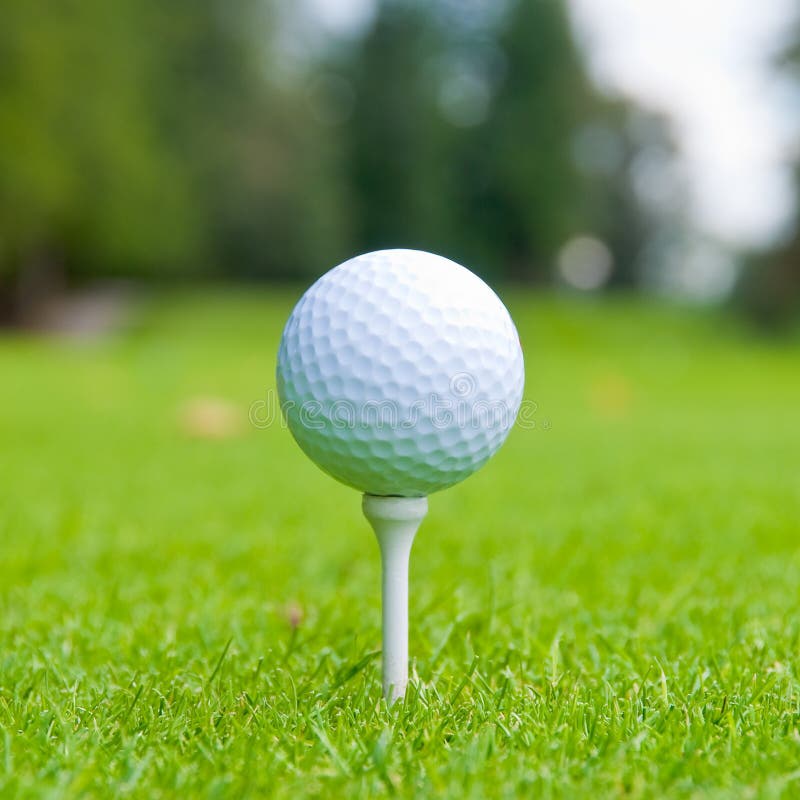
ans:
(190, 608)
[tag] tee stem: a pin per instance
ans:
(395, 521)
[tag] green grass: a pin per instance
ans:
(609, 608)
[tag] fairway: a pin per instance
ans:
(610, 607)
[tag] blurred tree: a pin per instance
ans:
(262, 162)
(553, 159)
(525, 191)
(770, 289)
(84, 179)
(396, 142)
(159, 139)
(146, 138)
(463, 138)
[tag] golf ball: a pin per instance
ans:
(400, 373)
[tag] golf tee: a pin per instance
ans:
(395, 521)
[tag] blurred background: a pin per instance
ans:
(623, 577)
(592, 145)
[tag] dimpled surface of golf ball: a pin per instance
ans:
(400, 373)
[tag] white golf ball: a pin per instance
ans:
(400, 373)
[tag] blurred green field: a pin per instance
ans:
(190, 608)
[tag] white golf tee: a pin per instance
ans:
(395, 521)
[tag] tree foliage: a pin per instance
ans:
(144, 138)
(770, 290)
(463, 139)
